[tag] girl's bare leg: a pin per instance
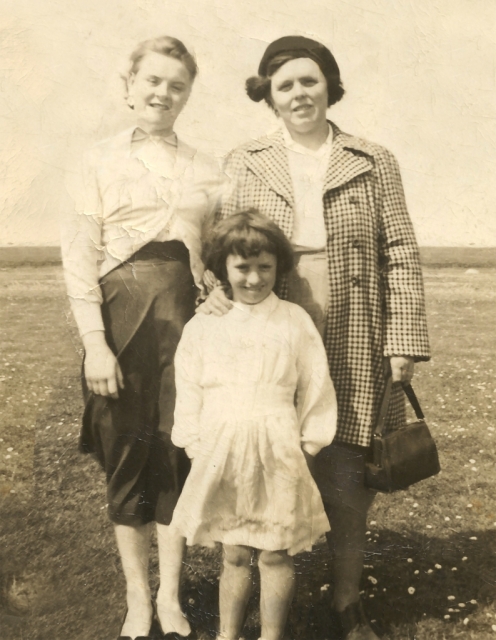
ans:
(170, 555)
(134, 548)
(277, 590)
(234, 590)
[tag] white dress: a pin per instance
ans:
(237, 379)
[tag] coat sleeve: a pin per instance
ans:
(315, 396)
(188, 364)
(81, 244)
(405, 324)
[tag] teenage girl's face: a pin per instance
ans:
(158, 91)
(298, 91)
(251, 279)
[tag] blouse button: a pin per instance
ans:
(353, 200)
(355, 243)
(355, 281)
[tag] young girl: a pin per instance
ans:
(254, 404)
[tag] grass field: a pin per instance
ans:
(431, 555)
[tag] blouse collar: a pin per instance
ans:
(321, 152)
(139, 135)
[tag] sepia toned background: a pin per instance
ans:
(420, 78)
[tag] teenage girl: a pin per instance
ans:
(254, 404)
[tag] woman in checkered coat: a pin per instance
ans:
(340, 201)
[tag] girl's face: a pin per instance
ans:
(251, 279)
(299, 95)
(158, 91)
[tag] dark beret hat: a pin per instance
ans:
(307, 47)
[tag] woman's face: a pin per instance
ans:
(253, 278)
(299, 95)
(158, 91)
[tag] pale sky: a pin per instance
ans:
(420, 78)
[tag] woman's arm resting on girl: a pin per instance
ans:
(217, 303)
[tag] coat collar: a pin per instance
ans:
(267, 158)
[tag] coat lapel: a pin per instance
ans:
(268, 160)
(345, 163)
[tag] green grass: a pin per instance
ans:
(60, 576)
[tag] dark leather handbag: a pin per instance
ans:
(404, 456)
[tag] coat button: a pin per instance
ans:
(353, 200)
(355, 243)
(355, 281)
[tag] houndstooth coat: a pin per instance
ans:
(376, 298)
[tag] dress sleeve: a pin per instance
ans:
(405, 326)
(81, 243)
(188, 365)
(315, 399)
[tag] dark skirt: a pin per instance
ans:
(146, 303)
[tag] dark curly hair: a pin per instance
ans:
(246, 234)
(289, 48)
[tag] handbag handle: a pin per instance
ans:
(410, 394)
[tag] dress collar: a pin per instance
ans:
(262, 309)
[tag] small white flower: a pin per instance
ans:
(8, 457)
(10, 448)
(373, 522)
(428, 526)
(409, 560)
(372, 579)
(437, 566)
(461, 605)
(447, 616)
(324, 587)
(458, 517)
(415, 504)
(454, 569)
(493, 627)
(429, 571)
(469, 506)
(465, 622)
(473, 538)
(464, 559)
(411, 590)
(416, 572)
(473, 601)
(451, 597)
(411, 513)
(472, 461)
(446, 519)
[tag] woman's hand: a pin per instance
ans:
(217, 303)
(402, 368)
(101, 369)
